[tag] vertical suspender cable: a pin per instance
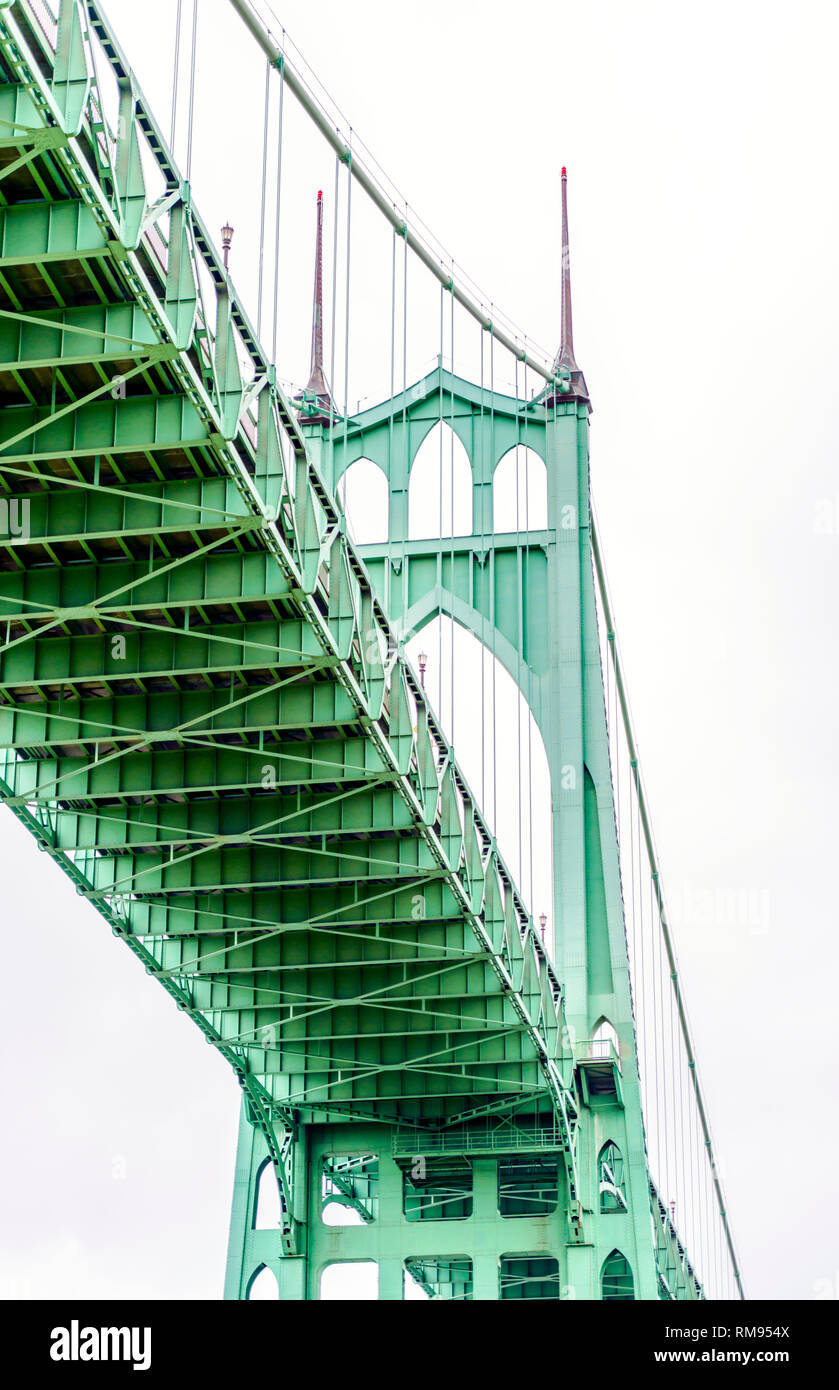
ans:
(175, 74)
(388, 576)
(682, 1159)
(481, 464)
(332, 338)
(365, 636)
(518, 625)
(525, 615)
(440, 619)
(493, 581)
(698, 1215)
(277, 211)
(334, 302)
(191, 90)
(263, 200)
(655, 972)
(690, 1183)
(347, 305)
(675, 1063)
(406, 429)
(451, 562)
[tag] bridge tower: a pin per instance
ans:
(488, 1212)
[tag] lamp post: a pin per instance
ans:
(543, 922)
(423, 662)
(226, 239)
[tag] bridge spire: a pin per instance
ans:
(565, 363)
(316, 401)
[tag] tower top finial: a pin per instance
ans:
(565, 364)
(316, 401)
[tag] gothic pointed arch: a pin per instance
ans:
(267, 1211)
(472, 688)
(611, 1180)
(440, 487)
(365, 496)
(616, 1282)
(604, 1040)
(520, 491)
(263, 1286)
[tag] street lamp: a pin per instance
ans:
(543, 922)
(423, 662)
(226, 239)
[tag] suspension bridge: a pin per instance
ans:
(209, 720)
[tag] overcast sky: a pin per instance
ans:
(700, 146)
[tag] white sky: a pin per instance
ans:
(701, 154)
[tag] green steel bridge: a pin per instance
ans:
(209, 722)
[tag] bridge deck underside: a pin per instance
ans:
(190, 722)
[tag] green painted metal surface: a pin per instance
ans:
(206, 721)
